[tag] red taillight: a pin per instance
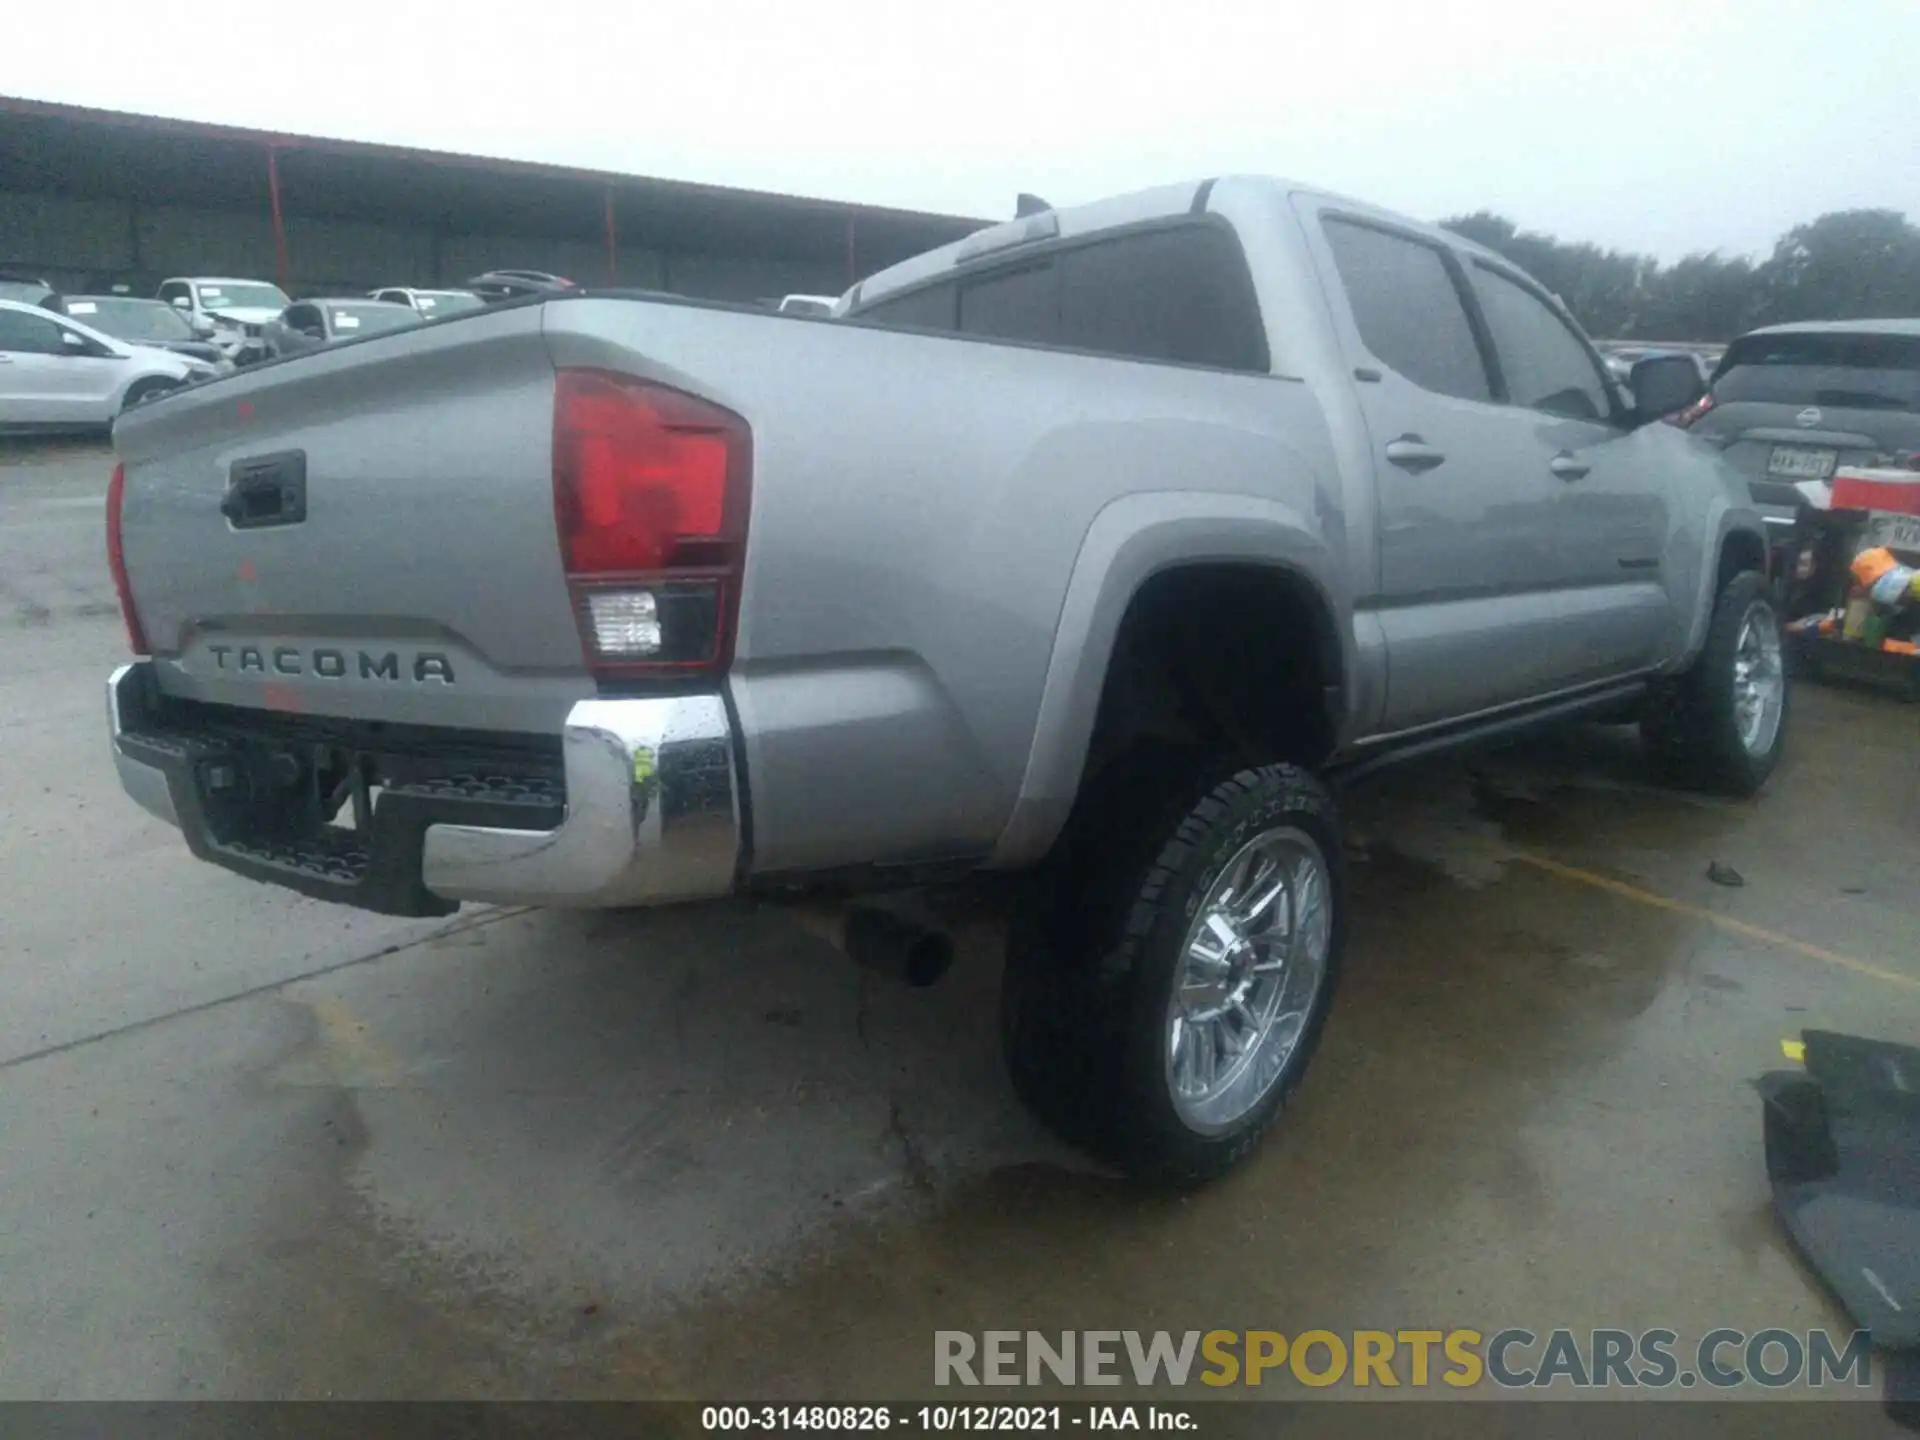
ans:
(117, 560)
(1693, 412)
(650, 490)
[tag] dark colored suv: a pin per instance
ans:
(1791, 403)
(498, 285)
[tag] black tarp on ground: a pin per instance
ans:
(1843, 1154)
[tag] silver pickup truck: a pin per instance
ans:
(1094, 546)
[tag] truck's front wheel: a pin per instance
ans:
(1721, 724)
(1168, 984)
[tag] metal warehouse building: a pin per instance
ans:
(93, 196)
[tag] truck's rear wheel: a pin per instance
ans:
(1720, 725)
(1167, 987)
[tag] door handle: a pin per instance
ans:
(1410, 452)
(1568, 466)
(267, 490)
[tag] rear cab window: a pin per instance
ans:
(1176, 294)
(931, 307)
(1859, 371)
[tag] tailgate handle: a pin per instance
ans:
(266, 490)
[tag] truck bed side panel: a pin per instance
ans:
(919, 506)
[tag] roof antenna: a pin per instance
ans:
(1027, 205)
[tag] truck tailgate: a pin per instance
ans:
(387, 547)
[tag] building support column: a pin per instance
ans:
(279, 219)
(613, 241)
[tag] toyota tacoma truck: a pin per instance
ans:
(1096, 546)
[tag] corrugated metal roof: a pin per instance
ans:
(160, 125)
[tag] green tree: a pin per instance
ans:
(1849, 264)
(1601, 287)
(1702, 297)
(1846, 265)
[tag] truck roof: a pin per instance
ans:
(1160, 202)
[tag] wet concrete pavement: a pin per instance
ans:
(258, 1146)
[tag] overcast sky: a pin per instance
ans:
(1656, 125)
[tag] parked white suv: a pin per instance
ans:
(238, 309)
(57, 374)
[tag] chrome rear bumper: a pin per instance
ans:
(651, 814)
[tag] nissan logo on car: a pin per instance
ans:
(1809, 417)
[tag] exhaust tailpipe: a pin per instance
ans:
(897, 944)
(894, 936)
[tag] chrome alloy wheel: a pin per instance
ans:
(1759, 679)
(1250, 968)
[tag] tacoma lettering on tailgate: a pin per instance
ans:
(332, 664)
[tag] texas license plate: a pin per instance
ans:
(1896, 532)
(1801, 462)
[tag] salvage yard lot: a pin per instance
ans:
(258, 1145)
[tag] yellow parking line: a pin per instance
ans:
(1720, 922)
(353, 1039)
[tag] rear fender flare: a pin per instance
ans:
(1129, 541)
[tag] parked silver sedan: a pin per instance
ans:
(310, 324)
(432, 304)
(59, 374)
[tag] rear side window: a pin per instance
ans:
(1860, 372)
(1179, 295)
(1407, 309)
(1545, 365)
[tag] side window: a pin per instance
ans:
(1546, 366)
(933, 307)
(1407, 309)
(301, 317)
(28, 334)
(1022, 304)
(172, 290)
(1182, 295)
